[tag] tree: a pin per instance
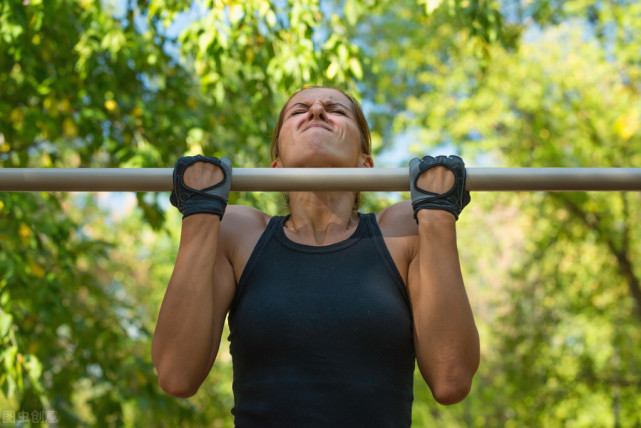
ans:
(86, 83)
(567, 97)
(84, 86)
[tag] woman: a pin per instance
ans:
(328, 308)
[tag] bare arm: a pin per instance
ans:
(199, 294)
(446, 338)
(193, 311)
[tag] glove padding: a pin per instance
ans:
(454, 200)
(212, 199)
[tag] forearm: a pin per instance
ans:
(183, 342)
(447, 341)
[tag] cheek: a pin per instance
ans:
(289, 125)
(356, 138)
(285, 132)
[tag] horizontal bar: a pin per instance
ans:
(316, 179)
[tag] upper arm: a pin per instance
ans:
(400, 232)
(239, 231)
(224, 286)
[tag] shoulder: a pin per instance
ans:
(398, 220)
(242, 214)
(400, 233)
(240, 219)
(242, 224)
(240, 230)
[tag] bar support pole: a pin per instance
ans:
(318, 179)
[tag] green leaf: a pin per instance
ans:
(6, 320)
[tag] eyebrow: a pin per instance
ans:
(328, 105)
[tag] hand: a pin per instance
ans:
(438, 183)
(200, 175)
(201, 185)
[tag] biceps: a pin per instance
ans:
(224, 285)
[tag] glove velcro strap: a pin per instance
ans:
(200, 202)
(435, 204)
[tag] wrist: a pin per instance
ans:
(204, 204)
(434, 216)
(201, 219)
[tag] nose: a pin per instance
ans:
(317, 112)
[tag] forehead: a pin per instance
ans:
(324, 95)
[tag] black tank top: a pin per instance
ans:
(322, 336)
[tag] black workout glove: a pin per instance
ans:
(454, 200)
(212, 199)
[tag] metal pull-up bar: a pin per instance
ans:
(315, 179)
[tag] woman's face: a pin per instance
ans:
(319, 130)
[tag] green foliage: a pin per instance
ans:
(564, 324)
(552, 277)
(80, 88)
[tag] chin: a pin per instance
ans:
(313, 159)
(318, 156)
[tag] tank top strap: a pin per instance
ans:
(374, 231)
(274, 233)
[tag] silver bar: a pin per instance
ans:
(317, 179)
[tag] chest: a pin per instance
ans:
(400, 249)
(321, 302)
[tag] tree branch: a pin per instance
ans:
(624, 266)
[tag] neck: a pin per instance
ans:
(321, 218)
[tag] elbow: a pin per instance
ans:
(175, 382)
(180, 388)
(452, 392)
(173, 377)
(451, 384)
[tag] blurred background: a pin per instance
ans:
(553, 278)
